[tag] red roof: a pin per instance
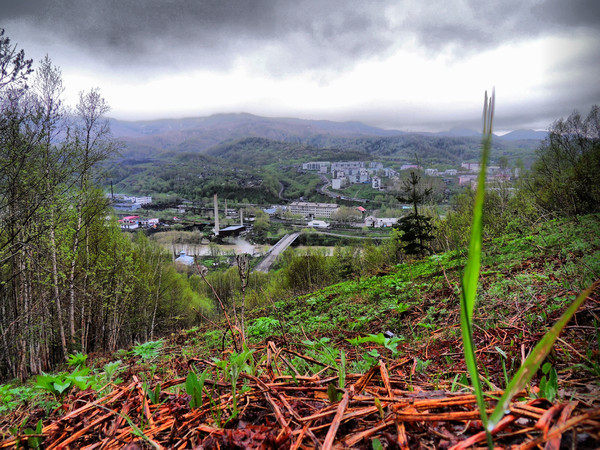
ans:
(361, 209)
(131, 217)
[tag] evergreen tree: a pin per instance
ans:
(415, 229)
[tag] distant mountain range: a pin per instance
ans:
(521, 135)
(202, 133)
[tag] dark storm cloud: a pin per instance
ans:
(295, 35)
(570, 13)
(204, 33)
(144, 38)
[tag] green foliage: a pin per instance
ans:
(263, 326)
(389, 343)
(108, 376)
(535, 359)
(194, 387)
(322, 351)
(376, 444)
(153, 395)
(233, 367)
(58, 385)
(148, 350)
(470, 277)
(307, 271)
(7, 398)
(415, 228)
(77, 359)
(564, 176)
(32, 441)
(468, 293)
(549, 386)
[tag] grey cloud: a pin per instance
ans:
(306, 34)
(570, 13)
(286, 37)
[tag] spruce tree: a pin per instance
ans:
(416, 229)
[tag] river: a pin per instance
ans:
(237, 246)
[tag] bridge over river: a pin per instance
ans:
(275, 251)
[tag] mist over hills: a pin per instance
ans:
(202, 133)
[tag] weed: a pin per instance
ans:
(111, 369)
(359, 322)
(376, 444)
(148, 350)
(33, 441)
(421, 366)
(233, 367)
(263, 326)
(77, 359)
(369, 359)
(58, 385)
(322, 351)
(7, 398)
(389, 343)
(153, 395)
(469, 284)
(194, 387)
(548, 387)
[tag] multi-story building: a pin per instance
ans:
(338, 183)
(312, 210)
(376, 182)
(464, 180)
(471, 167)
(410, 167)
(347, 166)
(363, 176)
(319, 166)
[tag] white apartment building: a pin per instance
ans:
(347, 166)
(338, 183)
(376, 182)
(312, 210)
(319, 166)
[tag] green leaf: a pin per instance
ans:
(332, 393)
(194, 388)
(501, 352)
(546, 368)
(45, 381)
(470, 277)
(61, 387)
(535, 359)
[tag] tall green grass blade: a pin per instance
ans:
(470, 277)
(471, 274)
(535, 359)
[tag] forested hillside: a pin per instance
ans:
(70, 280)
(252, 167)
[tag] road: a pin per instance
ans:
(275, 251)
(324, 191)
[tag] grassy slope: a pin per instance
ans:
(527, 281)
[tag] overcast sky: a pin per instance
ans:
(414, 65)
